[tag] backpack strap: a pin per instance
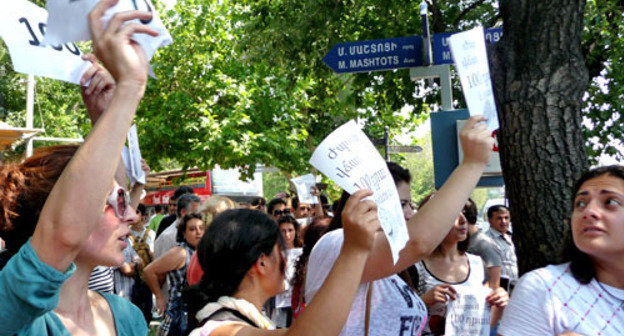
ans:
(228, 314)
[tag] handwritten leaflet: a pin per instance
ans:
(304, 185)
(349, 158)
(68, 22)
(469, 315)
(22, 27)
(133, 166)
(471, 61)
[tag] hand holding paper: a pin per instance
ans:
(349, 158)
(101, 86)
(124, 59)
(476, 142)
(359, 220)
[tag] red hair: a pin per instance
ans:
(24, 188)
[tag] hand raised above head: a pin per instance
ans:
(476, 141)
(124, 58)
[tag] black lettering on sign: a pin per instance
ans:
(148, 9)
(71, 47)
(34, 41)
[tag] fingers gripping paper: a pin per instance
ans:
(68, 22)
(471, 60)
(22, 27)
(349, 158)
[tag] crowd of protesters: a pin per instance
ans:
(81, 255)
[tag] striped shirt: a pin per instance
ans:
(101, 279)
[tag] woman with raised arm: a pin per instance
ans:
(584, 295)
(449, 268)
(241, 254)
(385, 304)
(66, 199)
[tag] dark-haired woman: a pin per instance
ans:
(281, 313)
(173, 265)
(244, 266)
(450, 267)
(385, 303)
(585, 295)
(79, 215)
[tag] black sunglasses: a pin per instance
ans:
(281, 212)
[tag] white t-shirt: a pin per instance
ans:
(426, 281)
(395, 308)
(282, 300)
(167, 239)
(549, 301)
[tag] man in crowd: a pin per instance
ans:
(482, 245)
(276, 208)
(500, 221)
(302, 210)
(187, 204)
(167, 221)
(158, 216)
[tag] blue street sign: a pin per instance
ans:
(442, 50)
(374, 55)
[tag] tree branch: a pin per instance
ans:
(466, 11)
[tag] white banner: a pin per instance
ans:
(469, 315)
(304, 185)
(68, 22)
(136, 172)
(22, 27)
(471, 60)
(349, 158)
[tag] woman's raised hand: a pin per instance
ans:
(476, 141)
(124, 58)
(360, 221)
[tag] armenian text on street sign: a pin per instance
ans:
(22, 27)
(374, 55)
(349, 158)
(442, 50)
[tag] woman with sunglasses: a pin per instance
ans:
(66, 199)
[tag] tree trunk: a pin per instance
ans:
(539, 80)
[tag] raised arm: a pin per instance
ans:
(77, 200)
(433, 221)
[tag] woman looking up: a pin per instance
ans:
(173, 265)
(241, 254)
(584, 295)
(84, 219)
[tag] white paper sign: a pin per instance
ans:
(469, 315)
(22, 27)
(470, 57)
(304, 185)
(349, 158)
(136, 173)
(68, 22)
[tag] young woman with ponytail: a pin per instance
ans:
(65, 198)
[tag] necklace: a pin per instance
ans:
(617, 298)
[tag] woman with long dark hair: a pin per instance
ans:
(173, 265)
(585, 294)
(449, 267)
(241, 255)
(65, 197)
